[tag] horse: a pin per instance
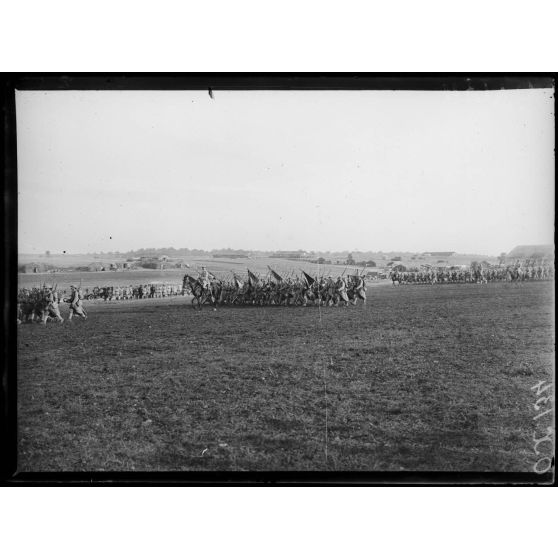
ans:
(200, 295)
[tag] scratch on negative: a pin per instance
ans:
(326, 417)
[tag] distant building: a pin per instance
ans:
(443, 254)
(299, 255)
(32, 268)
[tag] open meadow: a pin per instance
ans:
(422, 378)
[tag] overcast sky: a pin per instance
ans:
(285, 170)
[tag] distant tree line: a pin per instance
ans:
(176, 252)
(352, 258)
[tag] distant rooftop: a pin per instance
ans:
(438, 253)
(532, 250)
(290, 255)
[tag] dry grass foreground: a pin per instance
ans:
(423, 378)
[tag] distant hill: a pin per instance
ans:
(532, 251)
(170, 257)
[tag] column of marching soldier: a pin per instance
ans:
(43, 303)
(477, 274)
(274, 290)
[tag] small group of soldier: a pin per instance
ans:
(134, 292)
(43, 304)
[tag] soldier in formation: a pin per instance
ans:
(41, 304)
(134, 292)
(518, 271)
(52, 310)
(76, 306)
(275, 290)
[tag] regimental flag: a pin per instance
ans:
(275, 275)
(309, 280)
(252, 279)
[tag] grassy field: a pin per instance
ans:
(423, 378)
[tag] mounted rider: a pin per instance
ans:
(204, 278)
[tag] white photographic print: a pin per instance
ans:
(285, 280)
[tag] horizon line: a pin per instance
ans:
(210, 250)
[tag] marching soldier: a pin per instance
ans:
(360, 288)
(75, 304)
(52, 309)
(341, 288)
